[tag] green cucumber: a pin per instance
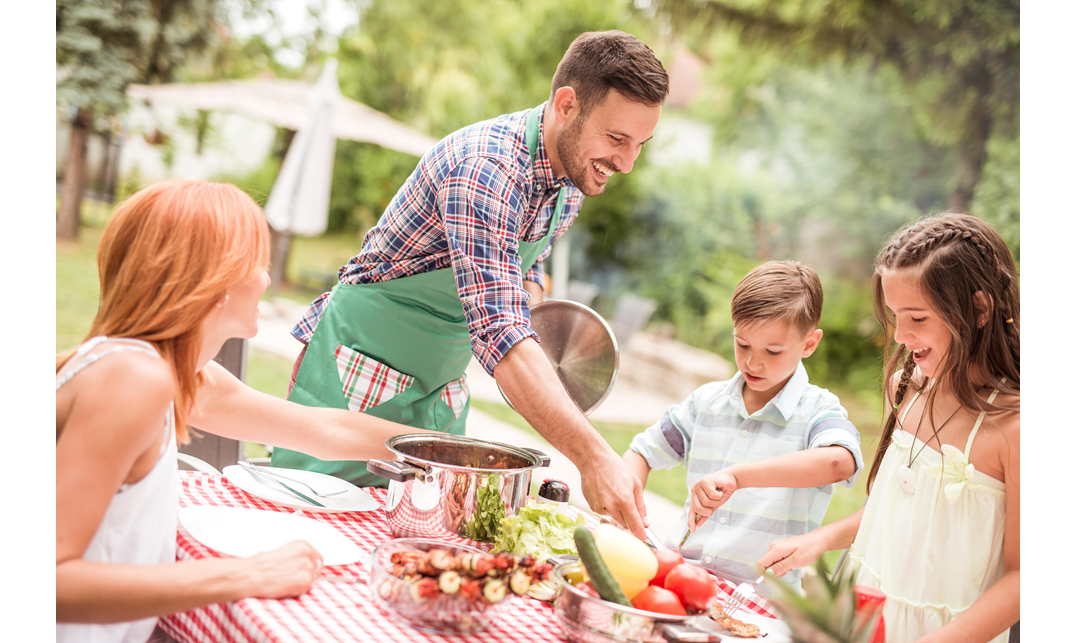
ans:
(600, 578)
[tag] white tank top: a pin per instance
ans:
(139, 527)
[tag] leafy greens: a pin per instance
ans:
(489, 511)
(538, 529)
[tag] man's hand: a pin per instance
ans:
(708, 494)
(528, 379)
(611, 488)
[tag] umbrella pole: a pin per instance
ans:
(278, 259)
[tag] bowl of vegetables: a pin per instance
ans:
(446, 588)
(619, 590)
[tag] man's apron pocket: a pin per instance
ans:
(455, 395)
(367, 382)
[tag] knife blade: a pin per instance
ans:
(653, 539)
(265, 475)
(688, 533)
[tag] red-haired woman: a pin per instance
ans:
(182, 266)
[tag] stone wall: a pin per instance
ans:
(669, 366)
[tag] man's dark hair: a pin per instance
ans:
(598, 61)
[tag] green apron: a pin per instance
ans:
(414, 325)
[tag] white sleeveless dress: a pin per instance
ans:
(933, 551)
(139, 527)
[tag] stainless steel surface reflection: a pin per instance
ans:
(581, 347)
(586, 619)
(434, 484)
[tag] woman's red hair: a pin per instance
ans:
(167, 256)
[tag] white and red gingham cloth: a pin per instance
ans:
(336, 612)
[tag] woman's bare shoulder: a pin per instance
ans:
(126, 388)
(141, 371)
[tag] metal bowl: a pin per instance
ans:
(586, 619)
(580, 346)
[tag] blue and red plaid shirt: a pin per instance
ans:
(467, 205)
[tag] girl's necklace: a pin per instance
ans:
(905, 476)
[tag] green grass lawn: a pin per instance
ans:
(76, 304)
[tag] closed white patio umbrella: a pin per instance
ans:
(299, 200)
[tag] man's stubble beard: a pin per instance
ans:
(574, 167)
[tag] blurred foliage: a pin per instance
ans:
(425, 64)
(955, 63)
(833, 124)
(428, 65)
(102, 46)
(998, 198)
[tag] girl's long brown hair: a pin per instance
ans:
(953, 255)
(167, 256)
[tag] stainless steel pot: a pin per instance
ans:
(586, 619)
(446, 485)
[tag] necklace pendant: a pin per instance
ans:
(905, 478)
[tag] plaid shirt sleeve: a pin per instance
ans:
(483, 204)
(536, 273)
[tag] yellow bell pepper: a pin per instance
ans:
(628, 559)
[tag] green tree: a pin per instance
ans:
(102, 46)
(97, 43)
(957, 62)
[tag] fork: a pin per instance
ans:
(742, 593)
(270, 474)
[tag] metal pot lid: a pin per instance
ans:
(460, 452)
(580, 346)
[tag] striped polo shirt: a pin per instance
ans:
(711, 430)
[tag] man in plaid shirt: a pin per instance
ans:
(455, 263)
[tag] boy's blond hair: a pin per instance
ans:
(787, 291)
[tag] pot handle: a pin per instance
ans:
(395, 470)
(543, 459)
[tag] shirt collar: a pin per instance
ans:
(786, 400)
(543, 168)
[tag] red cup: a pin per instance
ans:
(871, 599)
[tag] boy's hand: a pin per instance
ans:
(708, 494)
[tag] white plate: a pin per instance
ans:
(775, 630)
(353, 499)
(246, 532)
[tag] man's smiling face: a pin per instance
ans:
(608, 140)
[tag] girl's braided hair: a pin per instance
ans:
(954, 256)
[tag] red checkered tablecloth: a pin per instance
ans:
(334, 612)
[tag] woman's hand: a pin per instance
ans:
(708, 494)
(790, 553)
(287, 571)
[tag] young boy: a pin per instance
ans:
(762, 450)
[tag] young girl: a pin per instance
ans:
(182, 267)
(940, 533)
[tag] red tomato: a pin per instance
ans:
(692, 585)
(657, 599)
(667, 559)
